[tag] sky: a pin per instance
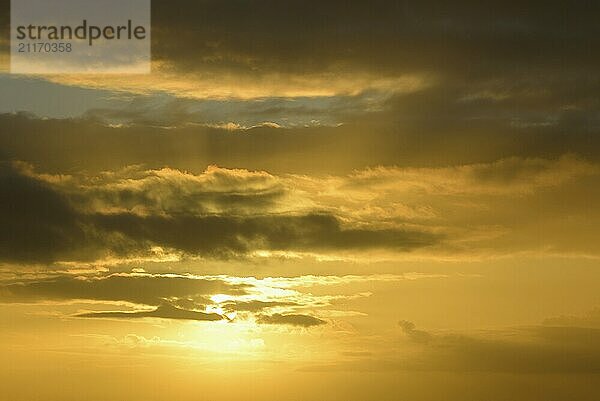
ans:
(309, 200)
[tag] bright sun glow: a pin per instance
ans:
(220, 298)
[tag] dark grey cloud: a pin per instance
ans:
(38, 223)
(464, 38)
(414, 132)
(506, 79)
(290, 319)
(152, 290)
(229, 235)
(437, 126)
(43, 226)
(173, 297)
(162, 312)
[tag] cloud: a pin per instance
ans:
(290, 319)
(421, 85)
(219, 236)
(38, 224)
(52, 219)
(188, 297)
(236, 56)
(255, 305)
(408, 135)
(512, 176)
(170, 191)
(233, 115)
(143, 289)
(162, 312)
(535, 350)
(532, 350)
(418, 336)
(180, 297)
(170, 214)
(568, 350)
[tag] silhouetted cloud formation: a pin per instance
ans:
(291, 319)
(38, 224)
(144, 289)
(166, 296)
(42, 225)
(162, 312)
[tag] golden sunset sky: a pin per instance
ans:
(309, 201)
